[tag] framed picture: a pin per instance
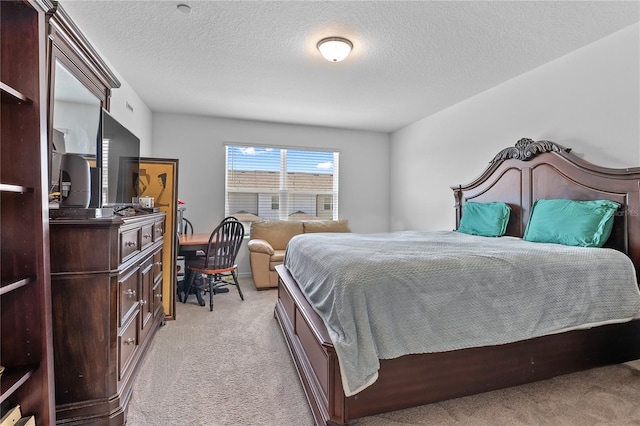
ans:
(158, 178)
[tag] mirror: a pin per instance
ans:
(79, 83)
(75, 121)
(76, 112)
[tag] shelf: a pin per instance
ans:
(13, 96)
(13, 378)
(19, 189)
(13, 285)
(25, 300)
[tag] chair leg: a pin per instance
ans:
(237, 284)
(211, 281)
(178, 288)
(199, 290)
(192, 276)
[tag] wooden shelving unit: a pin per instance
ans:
(12, 96)
(25, 291)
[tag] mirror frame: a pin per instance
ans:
(67, 44)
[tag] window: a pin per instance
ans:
(327, 203)
(272, 183)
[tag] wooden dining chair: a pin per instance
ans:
(186, 227)
(218, 264)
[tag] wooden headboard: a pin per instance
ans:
(533, 170)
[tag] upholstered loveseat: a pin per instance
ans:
(268, 241)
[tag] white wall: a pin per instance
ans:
(588, 100)
(198, 143)
(139, 120)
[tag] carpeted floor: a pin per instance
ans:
(232, 367)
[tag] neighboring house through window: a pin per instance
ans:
(276, 183)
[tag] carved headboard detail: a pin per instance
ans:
(535, 170)
(526, 149)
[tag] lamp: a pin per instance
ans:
(335, 49)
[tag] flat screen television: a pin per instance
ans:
(119, 163)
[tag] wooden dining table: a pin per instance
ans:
(191, 243)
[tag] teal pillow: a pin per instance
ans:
(572, 223)
(485, 219)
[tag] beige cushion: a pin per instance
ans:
(341, 225)
(276, 232)
(260, 246)
(272, 265)
(278, 256)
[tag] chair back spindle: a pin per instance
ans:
(186, 227)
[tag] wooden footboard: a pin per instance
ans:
(311, 350)
(414, 380)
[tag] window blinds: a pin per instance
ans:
(276, 183)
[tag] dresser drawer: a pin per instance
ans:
(127, 345)
(157, 265)
(157, 297)
(158, 230)
(128, 294)
(147, 236)
(129, 244)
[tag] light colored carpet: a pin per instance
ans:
(232, 367)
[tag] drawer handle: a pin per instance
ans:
(130, 243)
(158, 263)
(143, 302)
(146, 236)
(159, 296)
(130, 341)
(159, 230)
(130, 293)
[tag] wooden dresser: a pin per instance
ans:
(106, 286)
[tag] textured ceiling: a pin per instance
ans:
(258, 59)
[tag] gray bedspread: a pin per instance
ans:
(386, 295)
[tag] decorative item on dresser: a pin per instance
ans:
(25, 298)
(519, 177)
(106, 284)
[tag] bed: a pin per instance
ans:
(517, 176)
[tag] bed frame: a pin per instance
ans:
(518, 176)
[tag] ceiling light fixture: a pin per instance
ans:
(335, 49)
(184, 8)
